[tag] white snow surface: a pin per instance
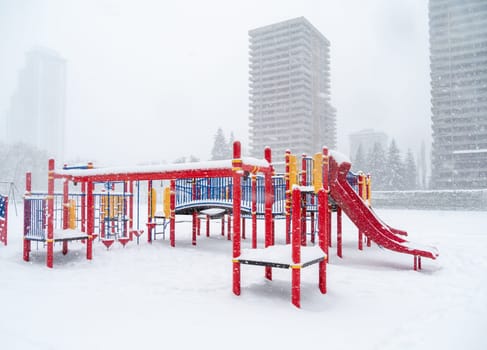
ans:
(282, 254)
(152, 296)
(339, 156)
(216, 164)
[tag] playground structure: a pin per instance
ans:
(3, 219)
(238, 189)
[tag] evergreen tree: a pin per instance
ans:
(376, 162)
(410, 173)
(220, 146)
(395, 169)
(358, 163)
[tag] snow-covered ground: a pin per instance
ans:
(154, 296)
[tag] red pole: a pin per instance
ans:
(50, 214)
(195, 218)
(65, 212)
(237, 198)
(90, 214)
(27, 214)
(322, 236)
(83, 207)
(296, 248)
(172, 207)
(131, 209)
(254, 211)
(288, 200)
(149, 211)
(339, 232)
(268, 208)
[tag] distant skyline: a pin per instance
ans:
(153, 81)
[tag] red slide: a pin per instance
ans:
(365, 219)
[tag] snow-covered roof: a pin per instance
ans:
(141, 169)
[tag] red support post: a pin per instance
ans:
(322, 236)
(268, 208)
(65, 212)
(27, 214)
(83, 207)
(90, 216)
(149, 211)
(296, 248)
(131, 210)
(50, 214)
(195, 224)
(237, 198)
(172, 219)
(254, 211)
(339, 232)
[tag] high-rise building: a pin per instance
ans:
(366, 139)
(37, 108)
(458, 54)
(290, 89)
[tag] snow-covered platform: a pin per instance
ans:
(60, 235)
(281, 256)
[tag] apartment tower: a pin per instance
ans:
(458, 54)
(290, 89)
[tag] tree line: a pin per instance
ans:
(390, 171)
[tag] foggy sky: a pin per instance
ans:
(153, 80)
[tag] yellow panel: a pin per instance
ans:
(318, 172)
(167, 202)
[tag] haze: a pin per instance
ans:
(152, 81)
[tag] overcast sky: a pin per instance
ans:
(153, 80)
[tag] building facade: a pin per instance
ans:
(290, 89)
(38, 107)
(458, 55)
